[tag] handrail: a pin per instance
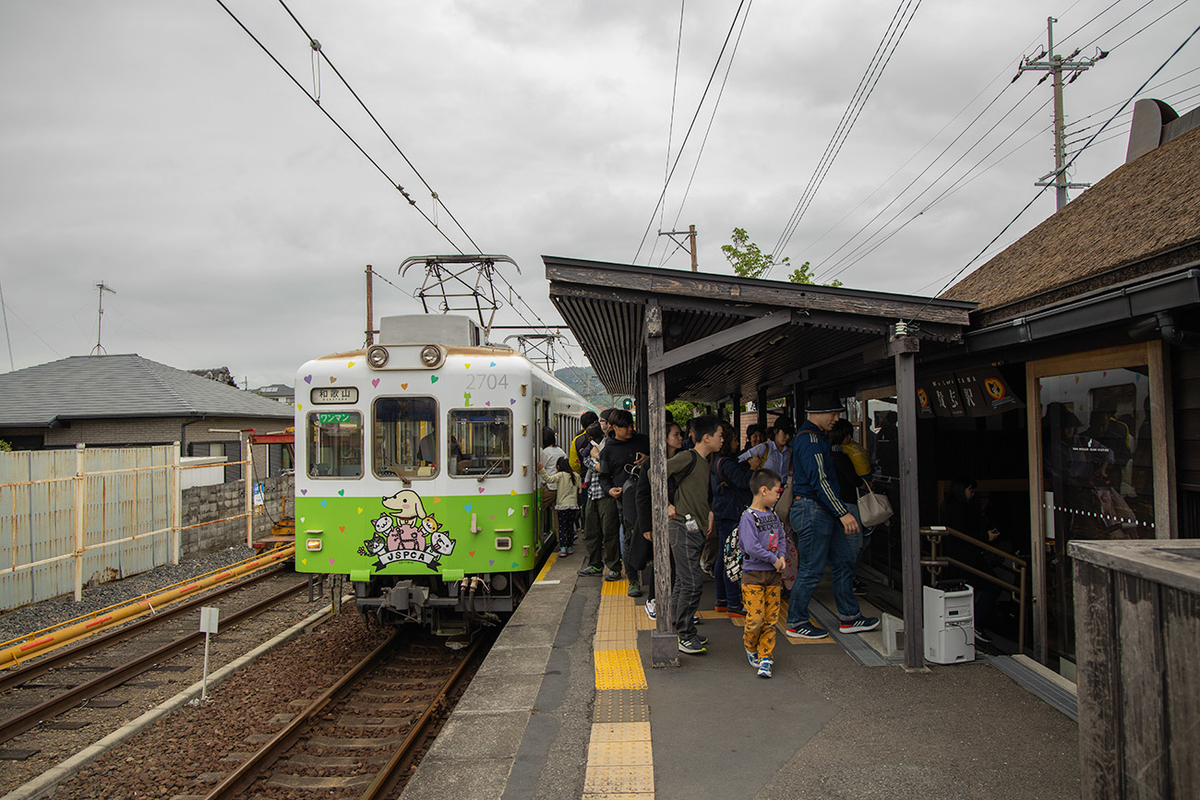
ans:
(934, 564)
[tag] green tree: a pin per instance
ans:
(749, 261)
(5, 446)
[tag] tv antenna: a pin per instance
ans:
(99, 348)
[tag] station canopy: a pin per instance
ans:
(726, 336)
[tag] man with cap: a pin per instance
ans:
(825, 529)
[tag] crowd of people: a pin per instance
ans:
(760, 519)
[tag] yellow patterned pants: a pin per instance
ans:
(762, 612)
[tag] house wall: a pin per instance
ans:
(224, 500)
(165, 430)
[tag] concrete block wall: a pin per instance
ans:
(224, 500)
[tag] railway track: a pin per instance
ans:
(59, 659)
(73, 696)
(359, 737)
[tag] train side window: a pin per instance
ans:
(404, 438)
(482, 439)
(335, 444)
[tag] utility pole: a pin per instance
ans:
(370, 310)
(99, 349)
(691, 234)
(1056, 66)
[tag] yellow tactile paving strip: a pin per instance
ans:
(619, 669)
(620, 756)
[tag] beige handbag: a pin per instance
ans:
(873, 509)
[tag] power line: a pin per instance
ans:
(1147, 25)
(961, 182)
(671, 124)
(1118, 24)
(874, 71)
(712, 117)
(695, 116)
(945, 150)
(1069, 163)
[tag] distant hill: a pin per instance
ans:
(584, 381)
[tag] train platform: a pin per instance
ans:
(567, 704)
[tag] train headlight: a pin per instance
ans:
(377, 356)
(431, 356)
(312, 545)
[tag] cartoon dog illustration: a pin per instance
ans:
(407, 505)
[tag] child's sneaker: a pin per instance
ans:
(859, 624)
(650, 609)
(720, 606)
(735, 611)
(562, 552)
(764, 668)
(752, 657)
(570, 550)
(691, 646)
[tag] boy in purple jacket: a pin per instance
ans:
(760, 534)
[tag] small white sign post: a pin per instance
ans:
(208, 626)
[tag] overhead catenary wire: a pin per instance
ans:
(434, 195)
(869, 80)
(662, 195)
(338, 125)
(1071, 161)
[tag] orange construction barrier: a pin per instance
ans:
(13, 656)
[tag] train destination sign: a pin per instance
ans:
(331, 394)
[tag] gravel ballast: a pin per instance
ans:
(37, 616)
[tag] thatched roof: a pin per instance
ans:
(1142, 218)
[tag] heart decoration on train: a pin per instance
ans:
(433, 378)
(332, 379)
(467, 508)
(512, 402)
(308, 378)
(512, 511)
(375, 383)
(349, 365)
(471, 554)
(487, 402)
(341, 492)
(323, 505)
(492, 364)
(404, 386)
(467, 365)
(360, 509)
(481, 490)
(331, 562)
(304, 491)
(341, 528)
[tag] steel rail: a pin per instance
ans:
(241, 778)
(389, 776)
(11, 678)
(31, 717)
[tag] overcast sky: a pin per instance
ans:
(155, 147)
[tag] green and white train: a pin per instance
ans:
(416, 471)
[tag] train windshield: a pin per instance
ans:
(405, 437)
(481, 442)
(335, 441)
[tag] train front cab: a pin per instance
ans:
(419, 481)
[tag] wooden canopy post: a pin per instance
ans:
(664, 649)
(904, 350)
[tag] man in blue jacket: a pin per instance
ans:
(822, 525)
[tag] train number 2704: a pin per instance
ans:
(486, 382)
